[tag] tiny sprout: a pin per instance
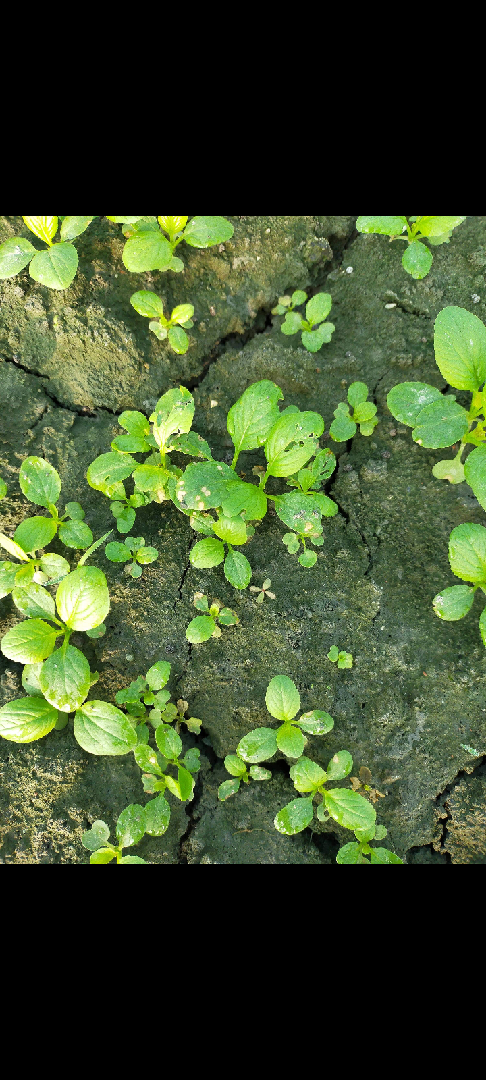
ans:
(263, 592)
(344, 659)
(205, 626)
(133, 548)
(149, 304)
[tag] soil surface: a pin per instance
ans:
(71, 361)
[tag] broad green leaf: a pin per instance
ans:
(460, 348)
(135, 423)
(386, 226)
(146, 555)
(437, 226)
(449, 469)
(382, 855)
(186, 783)
(168, 741)
(234, 765)
(453, 603)
(230, 529)
(249, 498)
(103, 855)
(440, 424)
(8, 571)
(178, 340)
(203, 485)
(298, 297)
(182, 314)
(257, 773)
(302, 513)
(282, 698)
(227, 788)
(130, 826)
(203, 232)
(406, 400)
(357, 393)
(172, 224)
(206, 553)
(237, 569)
(82, 598)
(54, 566)
(307, 775)
(34, 601)
(100, 728)
(75, 511)
(55, 268)
(75, 534)
(192, 444)
(295, 817)
(147, 303)
(292, 441)
(157, 329)
(157, 816)
(292, 323)
(339, 766)
(364, 835)
(308, 558)
(259, 745)
(107, 470)
(291, 542)
(151, 478)
(39, 481)
(345, 660)
(227, 617)
(130, 444)
(147, 251)
(173, 413)
(126, 519)
(417, 260)
(342, 427)
(467, 552)
(349, 809)
(252, 417)
(200, 629)
(312, 340)
(116, 552)
(25, 576)
(364, 411)
(74, 226)
(97, 836)
(158, 675)
(34, 533)
(350, 853)
(333, 654)
(29, 641)
(290, 740)
(26, 719)
(14, 255)
(44, 228)
(475, 473)
(318, 308)
(65, 679)
(316, 722)
(191, 760)
(368, 427)
(97, 632)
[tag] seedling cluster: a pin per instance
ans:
(315, 331)
(417, 258)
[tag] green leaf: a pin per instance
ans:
(406, 400)
(453, 603)
(295, 817)
(200, 629)
(3, 489)
(291, 542)
(467, 552)
(475, 473)
(116, 552)
(147, 250)
(449, 469)
(34, 533)
(146, 758)
(312, 340)
(339, 766)
(100, 728)
(307, 775)
(203, 485)
(75, 511)
(342, 427)
(54, 566)
(333, 654)
(227, 617)
(39, 481)
(82, 598)
(44, 228)
(234, 765)
(386, 226)
(130, 444)
(178, 340)
(292, 441)
(34, 601)
(8, 571)
(26, 719)
(318, 308)
(147, 303)
(29, 641)
(173, 413)
(124, 220)
(97, 836)
(107, 470)
(252, 417)
(290, 740)
(237, 569)
(349, 809)
(126, 519)
(103, 855)
(151, 478)
(147, 555)
(380, 832)
(482, 626)
(417, 260)
(192, 444)
(350, 853)
(441, 423)
(55, 268)
(303, 513)
(357, 394)
(259, 745)
(130, 826)
(204, 232)
(191, 760)
(316, 722)
(75, 534)
(257, 773)
(298, 297)
(160, 331)
(206, 553)
(239, 497)
(173, 225)
(364, 412)
(74, 226)
(308, 558)
(437, 226)
(157, 675)
(282, 698)
(345, 660)
(182, 314)
(230, 529)
(14, 255)
(292, 323)
(460, 348)
(185, 782)
(97, 631)
(65, 679)
(168, 741)
(227, 788)
(382, 855)
(157, 816)
(135, 423)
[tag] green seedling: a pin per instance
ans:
(205, 626)
(467, 558)
(344, 659)
(471, 750)
(416, 259)
(356, 852)
(130, 828)
(152, 241)
(56, 267)
(263, 592)
(174, 329)
(210, 493)
(345, 424)
(315, 332)
(147, 698)
(133, 548)
(154, 764)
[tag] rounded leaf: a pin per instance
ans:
(74, 226)
(147, 303)
(382, 855)
(282, 698)
(100, 728)
(8, 572)
(130, 826)
(312, 340)
(55, 268)
(82, 598)
(14, 255)
(295, 817)
(200, 629)
(290, 740)
(259, 745)
(307, 775)
(475, 473)
(308, 558)
(39, 481)
(387, 226)
(460, 348)
(237, 570)
(75, 534)
(168, 741)
(349, 809)
(178, 340)
(26, 719)
(417, 260)
(441, 423)
(318, 308)
(450, 469)
(44, 228)
(339, 766)
(34, 601)
(158, 675)
(29, 641)
(467, 552)
(350, 853)
(147, 251)
(453, 603)
(116, 552)
(316, 722)
(227, 788)
(203, 232)
(252, 417)
(107, 470)
(406, 400)
(231, 529)
(182, 313)
(157, 816)
(65, 679)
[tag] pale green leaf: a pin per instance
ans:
(100, 728)
(453, 603)
(26, 719)
(82, 598)
(460, 348)
(65, 679)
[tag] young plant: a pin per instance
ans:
(416, 259)
(344, 659)
(133, 548)
(467, 558)
(315, 332)
(344, 425)
(55, 267)
(147, 691)
(356, 852)
(263, 591)
(205, 626)
(152, 241)
(130, 828)
(150, 305)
